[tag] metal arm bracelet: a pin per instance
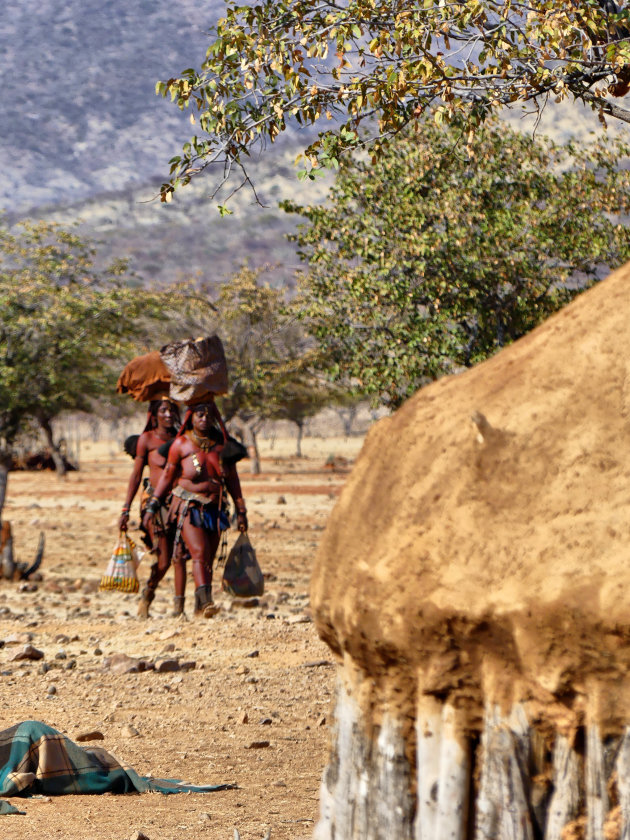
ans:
(153, 505)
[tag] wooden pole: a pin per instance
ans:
(565, 799)
(365, 793)
(524, 787)
(428, 749)
(443, 773)
(596, 793)
(622, 767)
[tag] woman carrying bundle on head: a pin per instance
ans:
(199, 469)
(151, 449)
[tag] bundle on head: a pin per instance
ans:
(144, 378)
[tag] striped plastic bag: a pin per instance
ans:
(122, 570)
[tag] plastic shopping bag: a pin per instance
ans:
(121, 573)
(242, 575)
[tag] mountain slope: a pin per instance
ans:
(78, 104)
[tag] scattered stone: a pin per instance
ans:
(71, 665)
(252, 655)
(98, 652)
(265, 722)
(44, 668)
(252, 680)
(204, 816)
(169, 648)
(280, 783)
(62, 639)
(138, 835)
(267, 602)
(129, 731)
(28, 652)
(18, 639)
(244, 718)
(188, 666)
(258, 745)
(52, 689)
(61, 654)
(322, 721)
(92, 735)
(120, 663)
(318, 663)
(243, 669)
(167, 665)
(281, 500)
(246, 603)
(301, 618)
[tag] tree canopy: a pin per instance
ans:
(269, 354)
(382, 64)
(63, 326)
(436, 256)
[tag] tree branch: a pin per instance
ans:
(606, 107)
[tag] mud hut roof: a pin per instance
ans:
(484, 534)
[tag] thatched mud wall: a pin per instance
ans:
(474, 581)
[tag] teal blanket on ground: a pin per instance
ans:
(37, 759)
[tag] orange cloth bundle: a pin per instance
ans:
(145, 378)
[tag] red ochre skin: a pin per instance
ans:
(147, 455)
(204, 478)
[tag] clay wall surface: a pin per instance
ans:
(482, 542)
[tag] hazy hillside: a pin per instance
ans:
(79, 111)
(188, 236)
(84, 136)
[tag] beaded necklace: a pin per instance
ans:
(205, 444)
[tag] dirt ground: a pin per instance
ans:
(261, 674)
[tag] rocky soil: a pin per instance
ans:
(243, 698)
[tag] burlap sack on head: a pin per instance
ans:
(144, 378)
(197, 367)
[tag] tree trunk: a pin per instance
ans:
(347, 417)
(300, 435)
(5, 466)
(246, 431)
(60, 466)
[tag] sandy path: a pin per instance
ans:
(261, 674)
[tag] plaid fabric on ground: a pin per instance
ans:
(37, 759)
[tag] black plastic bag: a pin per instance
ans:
(242, 575)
